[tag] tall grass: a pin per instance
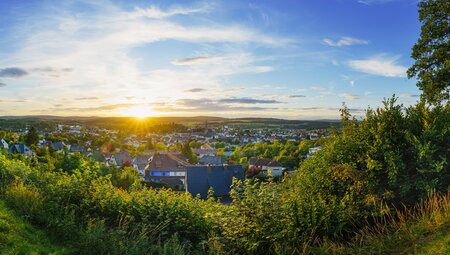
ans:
(401, 231)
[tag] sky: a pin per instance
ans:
(292, 59)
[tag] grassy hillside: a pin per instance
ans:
(424, 229)
(19, 237)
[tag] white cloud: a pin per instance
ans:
(344, 41)
(408, 95)
(349, 96)
(96, 48)
(371, 2)
(349, 80)
(379, 65)
(156, 13)
(197, 61)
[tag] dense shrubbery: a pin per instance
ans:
(394, 156)
(85, 209)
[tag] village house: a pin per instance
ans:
(4, 144)
(206, 149)
(266, 166)
(168, 168)
(199, 179)
(120, 159)
(20, 149)
(313, 151)
(211, 160)
(140, 162)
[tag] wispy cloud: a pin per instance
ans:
(2, 84)
(86, 98)
(349, 96)
(350, 81)
(207, 106)
(371, 2)
(107, 108)
(296, 96)
(248, 101)
(156, 13)
(344, 41)
(407, 95)
(195, 90)
(13, 72)
(197, 61)
(379, 65)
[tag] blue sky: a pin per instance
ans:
(285, 59)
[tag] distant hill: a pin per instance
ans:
(197, 121)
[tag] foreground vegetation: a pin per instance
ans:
(340, 199)
(17, 236)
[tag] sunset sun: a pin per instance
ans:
(139, 112)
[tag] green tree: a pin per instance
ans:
(189, 153)
(432, 51)
(149, 145)
(32, 137)
(160, 146)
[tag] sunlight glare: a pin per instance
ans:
(139, 112)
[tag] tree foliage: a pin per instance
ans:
(432, 51)
(32, 137)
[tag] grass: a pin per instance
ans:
(18, 237)
(424, 229)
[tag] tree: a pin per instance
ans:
(189, 153)
(32, 137)
(149, 145)
(432, 51)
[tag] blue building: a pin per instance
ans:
(20, 148)
(200, 178)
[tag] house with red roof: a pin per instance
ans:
(266, 166)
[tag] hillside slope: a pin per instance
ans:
(19, 237)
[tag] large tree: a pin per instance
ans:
(432, 51)
(32, 137)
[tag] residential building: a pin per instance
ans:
(20, 149)
(206, 149)
(199, 179)
(121, 159)
(211, 160)
(168, 168)
(140, 162)
(266, 166)
(4, 144)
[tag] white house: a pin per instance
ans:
(3, 144)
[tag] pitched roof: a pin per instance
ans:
(19, 148)
(165, 162)
(121, 158)
(58, 145)
(274, 163)
(206, 152)
(141, 159)
(4, 144)
(206, 147)
(77, 148)
(200, 178)
(211, 160)
(255, 161)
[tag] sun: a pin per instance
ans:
(139, 112)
